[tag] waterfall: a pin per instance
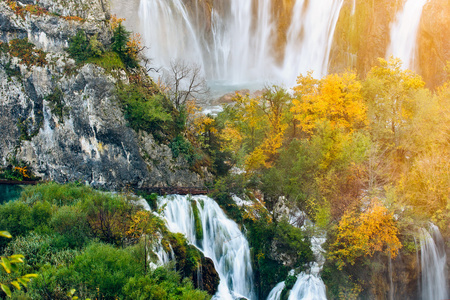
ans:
(308, 285)
(433, 261)
(222, 241)
(309, 41)
(234, 41)
(404, 33)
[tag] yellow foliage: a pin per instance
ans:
(336, 98)
(232, 139)
(374, 230)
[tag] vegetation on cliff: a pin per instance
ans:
(96, 243)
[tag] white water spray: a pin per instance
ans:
(222, 241)
(433, 261)
(404, 33)
(234, 40)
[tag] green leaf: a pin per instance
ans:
(6, 290)
(30, 276)
(6, 264)
(71, 292)
(5, 234)
(16, 285)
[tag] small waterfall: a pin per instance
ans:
(433, 261)
(309, 285)
(222, 241)
(275, 293)
(233, 41)
(404, 33)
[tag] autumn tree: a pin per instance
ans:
(364, 234)
(389, 91)
(336, 98)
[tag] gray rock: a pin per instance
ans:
(89, 140)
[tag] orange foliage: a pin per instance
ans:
(374, 230)
(115, 21)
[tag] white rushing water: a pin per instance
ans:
(234, 41)
(404, 33)
(433, 261)
(309, 285)
(222, 241)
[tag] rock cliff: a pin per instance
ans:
(65, 120)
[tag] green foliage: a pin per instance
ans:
(79, 47)
(144, 110)
(72, 225)
(289, 240)
(182, 147)
(56, 103)
(150, 198)
(108, 60)
(162, 284)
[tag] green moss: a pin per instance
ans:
(198, 222)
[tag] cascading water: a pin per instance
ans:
(222, 241)
(234, 41)
(433, 261)
(404, 33)
(309, 41)
(309, 285)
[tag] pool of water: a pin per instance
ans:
(9, 192)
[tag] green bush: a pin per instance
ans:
(79, 47)
(144, 111)
(71, 223)
(162, 284)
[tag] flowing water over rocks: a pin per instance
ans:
(222, 241)
(433, 265)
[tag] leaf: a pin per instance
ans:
(6, 290)
(6, 265)
(16, 285)
(30, 276)
(5, 234)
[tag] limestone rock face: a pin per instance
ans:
(52, 32)
(85, 137)
(434, 41)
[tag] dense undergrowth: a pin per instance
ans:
(94, 242)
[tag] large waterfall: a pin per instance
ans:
(433, 263)
(237, 42)
(404, 33)
(222, 241)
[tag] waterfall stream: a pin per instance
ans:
(433, 261)
(404, 33)
(235, 41)
(222, 241)
(309, 285)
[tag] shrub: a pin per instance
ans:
(79, 47)
(71, 223)
(143, 111)
(27, 53)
